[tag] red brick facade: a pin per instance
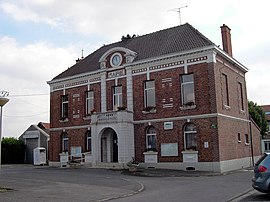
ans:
(218, 79)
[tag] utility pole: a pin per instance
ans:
(179, 12)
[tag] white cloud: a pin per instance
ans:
(24, 71)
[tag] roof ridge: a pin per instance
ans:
(140, 36)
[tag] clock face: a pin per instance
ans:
(116, 60)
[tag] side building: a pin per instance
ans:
(170, 99)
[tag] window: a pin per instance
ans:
(239, 137)
(89, 102)
(190, 137)
(64, 142)
(246, 139)
(151, 138)
(149, 94)
(117, 97)
(266, 146)
(241, 99)
(225, 89)
(187, 90)
(64, 107)
(88, 141)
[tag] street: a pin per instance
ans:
(29, 183)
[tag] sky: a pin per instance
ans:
(39, 39)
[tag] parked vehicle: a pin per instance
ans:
(261, 179)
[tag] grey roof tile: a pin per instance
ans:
(167, 41)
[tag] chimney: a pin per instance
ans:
(226, 39)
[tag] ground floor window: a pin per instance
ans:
(190, 137)
(151, 138)
(64, 142)
(88, 141)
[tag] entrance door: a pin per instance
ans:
(115, 147)
(104, 149)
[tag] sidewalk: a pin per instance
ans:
(154, 172)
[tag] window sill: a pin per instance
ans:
(226, 107)
(242, 112)
(247, 144)
(152, 111)
(239, 141)
(63, 120)
(188, 107)
(189, 152)
(87, 117)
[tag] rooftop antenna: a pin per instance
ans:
(179, 12)
(82, 54)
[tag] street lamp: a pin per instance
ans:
(3, 101)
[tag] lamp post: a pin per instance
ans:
(3, 101)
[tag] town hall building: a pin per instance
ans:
(169, 99)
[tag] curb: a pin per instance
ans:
(242, 195)
(124, 195)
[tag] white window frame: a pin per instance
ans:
(147, 94)
(239, 137)
(64, 103)
(226, 100)
(185, 137)
(89, 102)
(183, 84)
(117, 97)
(241, 96)
(246, 139)
(88, 138)
(65, 142)
(153, 136)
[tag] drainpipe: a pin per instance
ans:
(251, 142)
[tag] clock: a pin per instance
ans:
(116, 60)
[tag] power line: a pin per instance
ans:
(23, 116)
(29, 95)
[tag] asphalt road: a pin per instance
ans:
(29, 183)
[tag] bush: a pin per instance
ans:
(13, 151)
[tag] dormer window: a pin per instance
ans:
(116, 60)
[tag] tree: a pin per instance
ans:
(13, 150)
(258, 115)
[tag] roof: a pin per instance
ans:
(176, 39)
(265, 108)
(43, 125)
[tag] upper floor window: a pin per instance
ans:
(246, 139)
(239, 137)
(225, 89)
(149, 94)
(64, 106)
(64, 142)
(187, 90)
(89, 102)
(241, 98)
(117, 97)
(151, 138)
(88, 141)
(190, 137)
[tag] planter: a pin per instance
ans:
(150, 157)
(190, 156)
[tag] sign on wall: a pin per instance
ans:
(169, 149)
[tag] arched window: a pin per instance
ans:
(64, 142)
(88, 141)
(190, 133)
(151, 138)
